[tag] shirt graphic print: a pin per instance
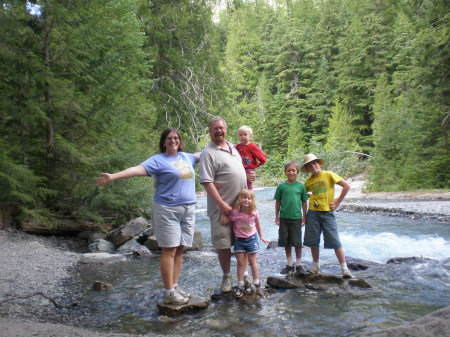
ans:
(184, 170)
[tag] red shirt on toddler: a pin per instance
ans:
(252, 155)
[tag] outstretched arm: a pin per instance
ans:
(130, 172)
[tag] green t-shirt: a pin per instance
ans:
(291, 197)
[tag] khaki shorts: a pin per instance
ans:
(221, 235)
(173, 225)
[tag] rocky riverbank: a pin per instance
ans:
(430, 205)
(38, 284)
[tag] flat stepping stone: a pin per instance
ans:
(195, 304)
(314, 282)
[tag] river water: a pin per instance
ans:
(400, 293)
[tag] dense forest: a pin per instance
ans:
(87, 86)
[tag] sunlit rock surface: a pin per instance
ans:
(195, 304)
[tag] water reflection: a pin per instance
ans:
(400, 293)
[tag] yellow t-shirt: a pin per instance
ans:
(322, 188)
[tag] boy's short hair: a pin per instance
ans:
(245, 128)
(292, 163)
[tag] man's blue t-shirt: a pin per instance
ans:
(175, 178)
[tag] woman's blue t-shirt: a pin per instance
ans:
(175, 178)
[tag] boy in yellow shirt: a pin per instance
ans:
(320, 217)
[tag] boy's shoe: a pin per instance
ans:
(239, 292)
(315, 269)
(300, 270)
(287, 269)
(175, 298)
(346, 273)
(247, 280)
(182, 292)
(225, 287)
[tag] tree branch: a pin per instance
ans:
(31, 295)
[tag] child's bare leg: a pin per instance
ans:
(341, 258)
(253, 265)
(340, 255)
(288, 252)
(315, 269)
(298, 253)
(315, 254)
(241, 258)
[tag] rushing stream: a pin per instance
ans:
(400, 293)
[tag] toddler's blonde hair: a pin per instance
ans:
(246, 129)
(244, 192)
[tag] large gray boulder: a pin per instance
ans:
(134, 247)
(102, 245)
(128, 231)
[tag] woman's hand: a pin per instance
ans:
(103, 179)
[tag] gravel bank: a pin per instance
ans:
(413, 205)
(40, 268)
(38, 286)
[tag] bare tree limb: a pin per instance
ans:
(358, 153)
(31, 295)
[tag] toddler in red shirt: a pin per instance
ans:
(252, 155)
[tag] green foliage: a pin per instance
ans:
(342, 134)
(87, 86)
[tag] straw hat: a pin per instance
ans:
(309, 158)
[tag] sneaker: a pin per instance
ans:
(287, 269)
(174, 298)
(346, 273)
(300, 270)
(225, 287)
(182, 292)
(250, 289)
(247, 280)
(257, 286)
(315, 269)
(239, 292)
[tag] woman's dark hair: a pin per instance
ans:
(162, 140)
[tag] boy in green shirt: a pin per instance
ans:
(290, 199)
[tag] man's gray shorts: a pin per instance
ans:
(173, 226)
